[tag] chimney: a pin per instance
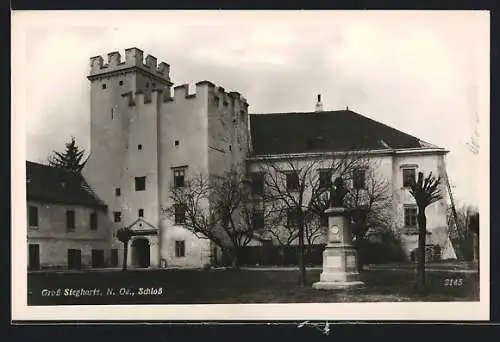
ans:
(319, 105)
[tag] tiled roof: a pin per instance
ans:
(327, 131)
(54, 185)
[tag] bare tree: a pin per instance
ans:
(462, 230)
(220, 208)
(296, 187)
(425, 191)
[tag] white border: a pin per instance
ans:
(320, 311)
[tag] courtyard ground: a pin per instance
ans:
(382, 284)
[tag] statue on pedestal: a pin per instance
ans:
(338, 193)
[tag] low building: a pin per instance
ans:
(67, 224)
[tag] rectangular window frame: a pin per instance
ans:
(180, 248)
(358, 179)
(140, 183)
(179, 175)
(257, 180)
(258, 222)
(179, 214)
(292, 181)
(94, 222)
(406, 181)
(33, 219)
(325, 179)
(410, 220)
(117, 216)
(70, 220)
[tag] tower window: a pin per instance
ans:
(112, 113)
(180, 249)
(140, 213)
(176, 143)
(103, 86)
(139, 147)
(140, 183)
(118, 192)
(117, 216)
(408, 177)
(179, 175)
(230, 148)
(120, 83)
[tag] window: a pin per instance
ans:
(70, 220)
(258, 220)
(325, 179)
(120, 83)
(358, 179)
(33, 216)
(292, 181)
(176, 143)
(408, 177)
(411, 216)
(139, 147)
(257, 183)
(140, 183)
(291, 218)
(103, 86)
(118, 192)
(117, 216)
(180, 249)
(216, 101)
(179, 213)
(225, 103)
(112, 113)
(93, 221)
(230, 148)
(147, 85)
(179, 177)
(140, 213)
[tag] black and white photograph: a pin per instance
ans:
(250, 165)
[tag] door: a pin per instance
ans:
(114, 257)
(97, 258)
(74, 259)
(34, 257)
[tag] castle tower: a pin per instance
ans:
(143, 140)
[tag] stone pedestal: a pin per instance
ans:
(340, 268)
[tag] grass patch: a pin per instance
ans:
(241, 286)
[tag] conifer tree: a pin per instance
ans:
(71, 159)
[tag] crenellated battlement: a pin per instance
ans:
(140, 98)
(229, 99)
(134, 59)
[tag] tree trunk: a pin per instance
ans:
(125, 254)
(302, 267)
(235, 258)
(422, 233)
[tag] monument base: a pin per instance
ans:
(339, 268)
(335, 285)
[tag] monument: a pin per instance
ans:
(339, 257)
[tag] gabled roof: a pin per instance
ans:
(54, 185)
(327, 131)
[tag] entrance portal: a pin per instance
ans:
(140, 253)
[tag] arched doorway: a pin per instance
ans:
(140, 253)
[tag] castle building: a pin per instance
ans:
(147, 137)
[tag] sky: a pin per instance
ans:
(423, 72)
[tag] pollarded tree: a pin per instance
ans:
(425, 191)
(124, 235)
(71, 159)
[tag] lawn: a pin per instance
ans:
(241, 286)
